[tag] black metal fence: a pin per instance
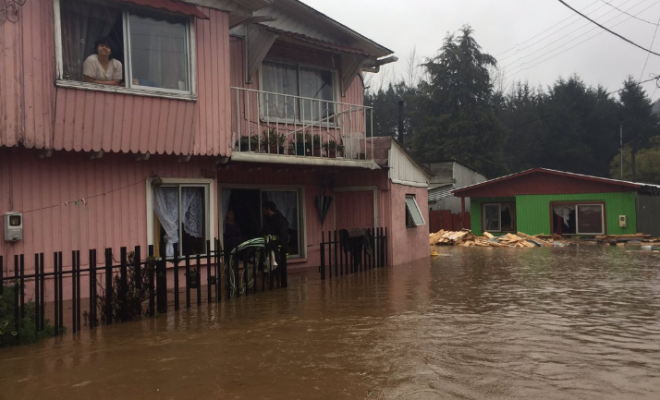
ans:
(132, 287)
(348, 251)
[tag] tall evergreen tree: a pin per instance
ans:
(454, 111)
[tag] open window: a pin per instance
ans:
(243, 215)
(297, 93)
(153, 47)
(499, 217)
(414, 215)
(181, 218)
(578, 219)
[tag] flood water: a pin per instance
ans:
(478, 323)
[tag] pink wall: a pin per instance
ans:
(113, 186)
(39, 115)
(408, 244)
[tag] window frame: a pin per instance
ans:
(302, 214)
(410, 218)
(209, 209)
(263, 115)
(191, 59)
(574, 205)
(499, 206)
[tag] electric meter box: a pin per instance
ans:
(13, 223)
(622, 221)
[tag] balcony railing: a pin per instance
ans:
(284, 125)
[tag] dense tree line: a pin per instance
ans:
(456, 113)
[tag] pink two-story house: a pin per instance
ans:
(222, 105)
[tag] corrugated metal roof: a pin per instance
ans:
(636, 185)
(440, 192)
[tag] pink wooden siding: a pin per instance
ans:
(354, 209)
(114, 188)
(39, 115)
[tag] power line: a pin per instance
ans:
(577, 37)
(610, 31)
(637, 18)
(521, 68)
(648, 55)
(515, 47)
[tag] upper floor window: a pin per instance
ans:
(125, 46)
(295, 92)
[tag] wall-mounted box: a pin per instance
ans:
(13, 226)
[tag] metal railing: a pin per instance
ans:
(349, 251)
(281, 124)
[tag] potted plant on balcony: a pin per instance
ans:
(332, 149)
(316, 145)
(302, 143)
(247, 143)
(273, 142)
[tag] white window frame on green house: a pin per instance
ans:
(414, 217)
(485, 221)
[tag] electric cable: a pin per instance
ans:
(636, 17)
(655, 32)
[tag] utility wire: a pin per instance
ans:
(520, 67)
(648, 54)
(515, 47)
(558, 47)
(610, 31)
(634, 16)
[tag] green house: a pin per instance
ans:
(545, 201)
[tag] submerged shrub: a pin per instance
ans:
(27, 331)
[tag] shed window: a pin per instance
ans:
(499, 217)
(578, 219)
(295, 92)
(151, 49)
(413, 214)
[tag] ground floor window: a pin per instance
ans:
(578, 219)
(181, 218)
(413, 213)
(499, 217)
(242, 210)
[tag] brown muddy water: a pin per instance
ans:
(478, 323)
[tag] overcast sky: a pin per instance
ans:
(534, 40)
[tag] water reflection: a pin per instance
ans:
(480, 323)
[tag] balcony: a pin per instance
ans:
(286, 129)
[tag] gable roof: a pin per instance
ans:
(519, 184)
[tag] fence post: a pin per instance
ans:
(161, 286)
(218, 272)
(92, 288)
(2, 272)
(37, 293)
(73, 291)
(42, 316)
(56, 320)
(208, 271)
(61, 291)
(176, 278)
(108, 286)
(123, 283)
(322, 256)
(150, 271)
(17, 319)
(198, 277)
(187, 280)
(78, 287)
(137, 257)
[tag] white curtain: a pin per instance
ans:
(192, 199)
(166, 206)
(287, 204)
(280, 78)
(564, 212)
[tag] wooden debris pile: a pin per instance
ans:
(466, 238)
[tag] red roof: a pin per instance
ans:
(546, 181)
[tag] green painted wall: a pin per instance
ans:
(533, 211)
(475, 210)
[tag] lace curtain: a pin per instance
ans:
(192, 199)
(166, 206)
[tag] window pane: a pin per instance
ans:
(492, 217)
(413, 209)
(316, 84)
(280, 78)
(159, 52)
(590, 219)
(507, 217)
(193, 220)
(82, 25)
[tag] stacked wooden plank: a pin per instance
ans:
(466, 238)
